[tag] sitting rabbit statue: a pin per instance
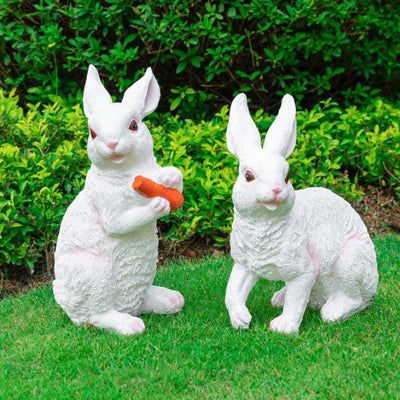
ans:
(311, 239)
(106, 253)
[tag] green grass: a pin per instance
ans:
(196, 354)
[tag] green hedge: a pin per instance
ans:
(204, 52)
(42, 167)
(43, 163)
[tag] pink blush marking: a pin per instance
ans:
(345, 246)
(313, 256)
(83, 251)
(99, 219)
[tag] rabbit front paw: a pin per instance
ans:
(284, 324)
(240, 318)
(159, 207)
(170, 177)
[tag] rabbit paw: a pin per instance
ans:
(159, 206)
(170, 177)
(119, 322)
(177, 301)
(284, 324)
(340, 307)
(278, 299)
(131, 326)
(160, 300)
(240, 319)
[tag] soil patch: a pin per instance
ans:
(379, 211)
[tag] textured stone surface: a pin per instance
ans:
(311, 239)
(106, 253)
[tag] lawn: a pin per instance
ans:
(196, 354)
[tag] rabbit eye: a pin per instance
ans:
(133, 126)
(92, 133)
(249, 176)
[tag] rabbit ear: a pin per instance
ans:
(144, 94)
(281, 136)
(94, 93)
(242, 135)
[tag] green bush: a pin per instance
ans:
(43, 163)
(204, 52)
(336, 148)
(42, 168)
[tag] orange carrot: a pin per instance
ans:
(148, 188)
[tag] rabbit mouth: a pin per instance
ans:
(271, 205)
(117, 158)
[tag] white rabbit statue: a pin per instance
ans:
(311, 239)
(106, 253)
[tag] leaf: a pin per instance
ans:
(196, 61)
(175, 103)
(181, 67)
(231, 12)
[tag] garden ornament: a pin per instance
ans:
(311, 239)
(106, 253)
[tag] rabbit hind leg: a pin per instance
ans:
(83, 284)
(340, 306)
(278, 299)
(119, 322)
(353, 282)
(84, 289)
(160, 300)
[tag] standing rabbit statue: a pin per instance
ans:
(106, 253)
(311, 239)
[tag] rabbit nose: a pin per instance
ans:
(277, 189)
(112, 145)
